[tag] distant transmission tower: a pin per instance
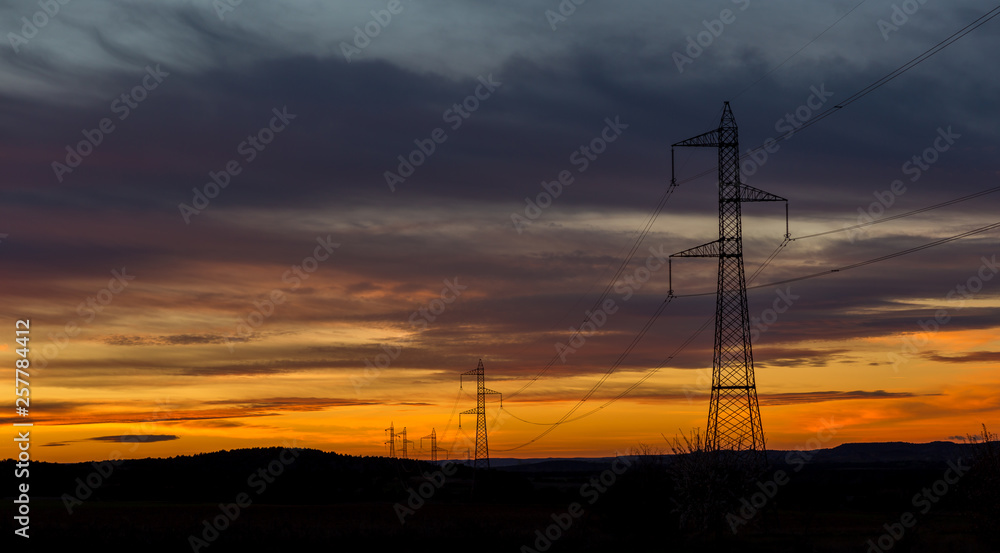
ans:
(391, 441)
(482, 448)
(733, 413)
(434, 447)
(403, 441)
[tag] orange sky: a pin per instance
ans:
(136, 382)
(158, 328)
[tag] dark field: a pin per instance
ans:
(329, 502)
(373, 526)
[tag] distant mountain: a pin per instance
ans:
(859, 453)
(551, 464)
(892, 452)
(217, 475)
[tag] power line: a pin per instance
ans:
(902, 215)
(894, 255)
(681, 348)
(608, 287)
(614, 366)
(649, 374)
(628, 390)
(851, 99)
(885, 79)
(797, 52)
(878, 83)
(696, 333)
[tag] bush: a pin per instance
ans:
(708, 483)
(984, 475)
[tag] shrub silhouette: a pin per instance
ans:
(709, 483)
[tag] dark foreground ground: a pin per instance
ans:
(327, 502)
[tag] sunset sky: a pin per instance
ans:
(164, 322)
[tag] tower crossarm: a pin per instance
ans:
(709, 139)
(489, 391)
(711, 249)
(482, 446)
(751, 194)
(734, 413)
(473, 372)
(473, 411)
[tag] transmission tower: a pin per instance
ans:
(733, 413)
(482, 448)
(403, 441)
(434, 447)
(391, 441)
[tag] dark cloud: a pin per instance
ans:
(139, 438)
(700, 396)
(814, 397)
(220, 424)
(179, 339)
(324, 176)
(971, 357)
(290, 403)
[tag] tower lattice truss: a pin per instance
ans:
(482, 446)
(734, 415)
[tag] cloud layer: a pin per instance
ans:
(119, 114)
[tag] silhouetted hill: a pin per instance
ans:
(317, 476)
(889, 453)
(892, 452)
(551, 464)
(312, 476)
(840, 498)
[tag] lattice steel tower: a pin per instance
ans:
(434, 445)
(404, 441)
(392, 440)
(733, 413)
(482, 448)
